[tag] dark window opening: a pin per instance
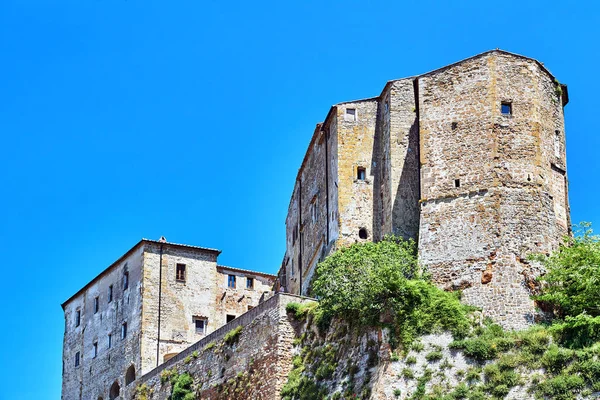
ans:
(130, 375)
(506, 108)
(124, 330)
(454, 125)
(125, 280)
(95, 349)
(180, 273)
(115, 391)
(350, 114)
(249, 283)
(361, 173)
(230, 318)
(362, 233)
(528, 178)
(457, 183)
(200, 324)
(231, 281)
(96, 304)
(110, 293)
(77, 359)
(109, 340)
(77, 318)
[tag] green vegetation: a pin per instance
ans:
(209, 346)
(380, 285)
(233, 335)
(182, 387)
(142, 392)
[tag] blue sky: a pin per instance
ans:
(189, 119)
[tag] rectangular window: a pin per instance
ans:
(249, 283)
(557, 143)
(124, 330)
(77, 359)
(361, 173)
(96, 304)
(231, 281)
(110, 293)
(350, 114)
(457, 183)
(314, 208)
(201, 324)
(180, 273)
(95, 349)
(125, 280)
(506, 108)
(109, 340)
(230, 318)
(77, 318)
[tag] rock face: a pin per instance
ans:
(468, 159)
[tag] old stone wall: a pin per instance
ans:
(487, 201)
(253, 366)
(103, 361)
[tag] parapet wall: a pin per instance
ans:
(253, 366)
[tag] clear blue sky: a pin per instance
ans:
(188, 119)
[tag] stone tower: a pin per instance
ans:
(468, 159)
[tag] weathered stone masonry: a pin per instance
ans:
(468, 159)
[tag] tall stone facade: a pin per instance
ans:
(469, 160)
(151, 304)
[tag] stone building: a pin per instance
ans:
(149, 305)
(469, 160)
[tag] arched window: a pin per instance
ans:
(115, 390)
(130, 375)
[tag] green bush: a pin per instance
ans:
(182, 388)
(572, 285)
(380, 284)
(561, 387)
(233, 335)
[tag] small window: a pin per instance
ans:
(231, 281)
(350, 114)
(109, 340)
(557, 143)
(230, 318)
(77, 359)
(361, 173)
(95, 349)
(96, 304)
(506, 108)
(457, 183)
(125, 280)
(77, 318)
(200, 324)
(180, 273)
(454, 125)
(124, 330)
(249, 283)
(314, 209)
(110, 293)
(362, 233)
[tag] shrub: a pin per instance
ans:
(209, 346)
(571, 285)
(411, 360)
(435, 355)
(182, 388)
(576, 332)
(561, 387)
(397, 392)
(233, 335)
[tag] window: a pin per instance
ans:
(180, 273)
(361, 173)
(109, 340)
(130, 375)
(231, 281)
(77, 359)
(362, 233)
(350, 114)
(314, 208)
(201, 325)
(115, 391)
(230, 318)
(557, 143)
(457, 183)
(95, 349)
(506, 108)
(249, 283)
(454, 125)
(96, 304)
(110, 293)
(124, 330)
(77, 318)
(125, 280)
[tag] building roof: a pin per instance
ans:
(246, 271)
(131, 250)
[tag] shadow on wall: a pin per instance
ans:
(405, 211)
